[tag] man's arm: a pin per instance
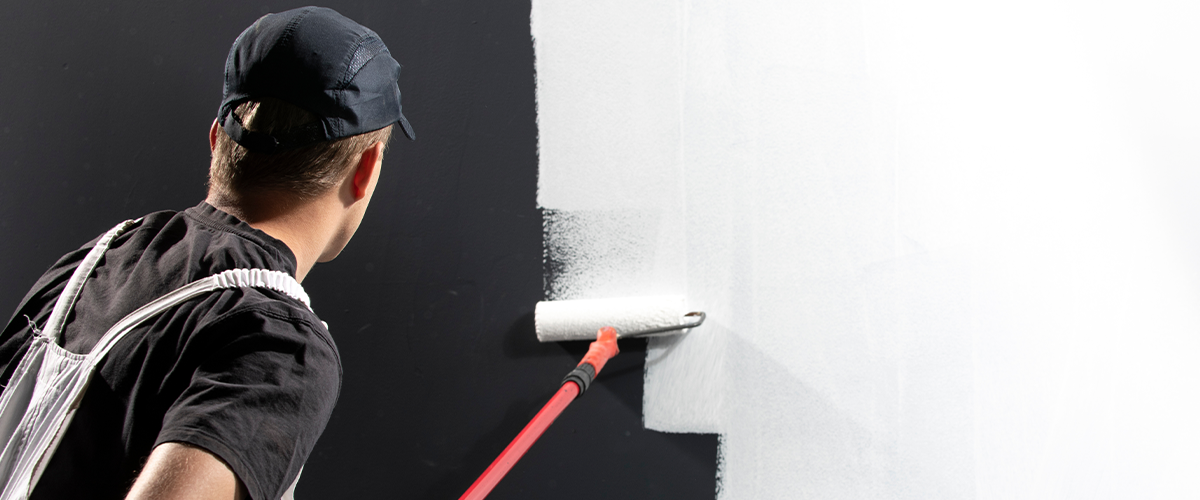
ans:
(178, 471)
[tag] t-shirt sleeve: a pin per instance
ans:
(264, 385)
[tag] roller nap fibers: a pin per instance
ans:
(631, 316)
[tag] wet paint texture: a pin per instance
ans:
(945, 251)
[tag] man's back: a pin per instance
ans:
(249, 375)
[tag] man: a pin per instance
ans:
(225, 395)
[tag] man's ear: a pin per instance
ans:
(212, 135)
(366, 171)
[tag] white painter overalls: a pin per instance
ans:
(49, 383)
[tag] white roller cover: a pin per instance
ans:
(580, 319)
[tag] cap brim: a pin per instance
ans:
(408, 130)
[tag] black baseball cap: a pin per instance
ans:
(318, 60)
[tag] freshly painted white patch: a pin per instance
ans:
(947, 249)
(608, 105)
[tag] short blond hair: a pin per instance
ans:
(304, 172)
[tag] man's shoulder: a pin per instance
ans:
(163, 252)
(254, 311)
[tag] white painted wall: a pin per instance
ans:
(947, 249)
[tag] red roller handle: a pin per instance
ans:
(604, 348)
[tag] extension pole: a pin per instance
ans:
(574, 384)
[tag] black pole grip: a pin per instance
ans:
(582, 375)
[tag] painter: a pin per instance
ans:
(177, 354)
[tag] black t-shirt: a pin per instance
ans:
(248, 374)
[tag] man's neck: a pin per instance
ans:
(305, 227)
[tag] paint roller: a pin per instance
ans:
(560, 320)
(606, 320)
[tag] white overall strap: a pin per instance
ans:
(262, 278)
(14, 428)
(66, 300)
(233, 278)
(30, 402)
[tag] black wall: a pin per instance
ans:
(104, 111)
